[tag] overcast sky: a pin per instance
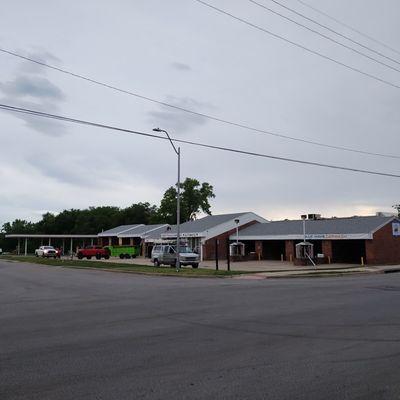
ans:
(186, 54)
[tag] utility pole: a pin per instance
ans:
(178, 201)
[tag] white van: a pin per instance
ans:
(166, 254)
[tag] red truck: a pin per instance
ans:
(93, 251)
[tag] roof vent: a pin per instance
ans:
(314, 216)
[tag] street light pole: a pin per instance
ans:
(304, 217)
(178, 200)
(237, 233)
(178, 215)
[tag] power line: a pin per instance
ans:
(36, 113)
(324, 36)
(335, 32)
(189, 111)
(348, 26)
(246, 22)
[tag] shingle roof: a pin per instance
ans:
(156, 234)
(352, 225)
(203, 224)
(142, 230)
(118, 230)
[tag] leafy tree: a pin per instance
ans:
(397, 208)
(17, 226)
(140, 213)
(46, 224)
(194, 199)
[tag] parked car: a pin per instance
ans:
(123, 251)
(166, 254)
(93, 251)
(46, 251)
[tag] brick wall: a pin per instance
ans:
(289, 250)
(209, 246)
(327, 248)
(259, 248)
(384, 248)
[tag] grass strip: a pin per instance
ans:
(113, 266)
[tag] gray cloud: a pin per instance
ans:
(181, 66)
(45, 126)
(56, 166)
(33, 86)
(39, 55)
(30, 89)
(178, 121)
(248, 76)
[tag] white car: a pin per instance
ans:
(46, 251)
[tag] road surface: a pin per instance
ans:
(79, 334)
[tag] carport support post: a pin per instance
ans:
(19, 246)
(71, 248)
(26, 247)
(216, 254)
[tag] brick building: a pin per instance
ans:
(205, 234)
(375, 239)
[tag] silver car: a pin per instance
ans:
(46, 251)
(166, 254)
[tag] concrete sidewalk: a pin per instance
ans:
(265, 269)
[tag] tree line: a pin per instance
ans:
(195, 198)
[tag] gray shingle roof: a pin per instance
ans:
(117, 230)
(353, 225)
(156, 234)
(203, 224)
(143, 230)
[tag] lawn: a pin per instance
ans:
(118, 267)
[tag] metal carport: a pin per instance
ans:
(48, 237)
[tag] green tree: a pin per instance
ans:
(17, 226)
(140, 213)
(46, 224)
(195, 198)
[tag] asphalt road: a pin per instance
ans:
(78, 334)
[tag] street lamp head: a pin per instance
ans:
(157, 130)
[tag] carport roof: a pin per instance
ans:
(333, 228)
(49, 236)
